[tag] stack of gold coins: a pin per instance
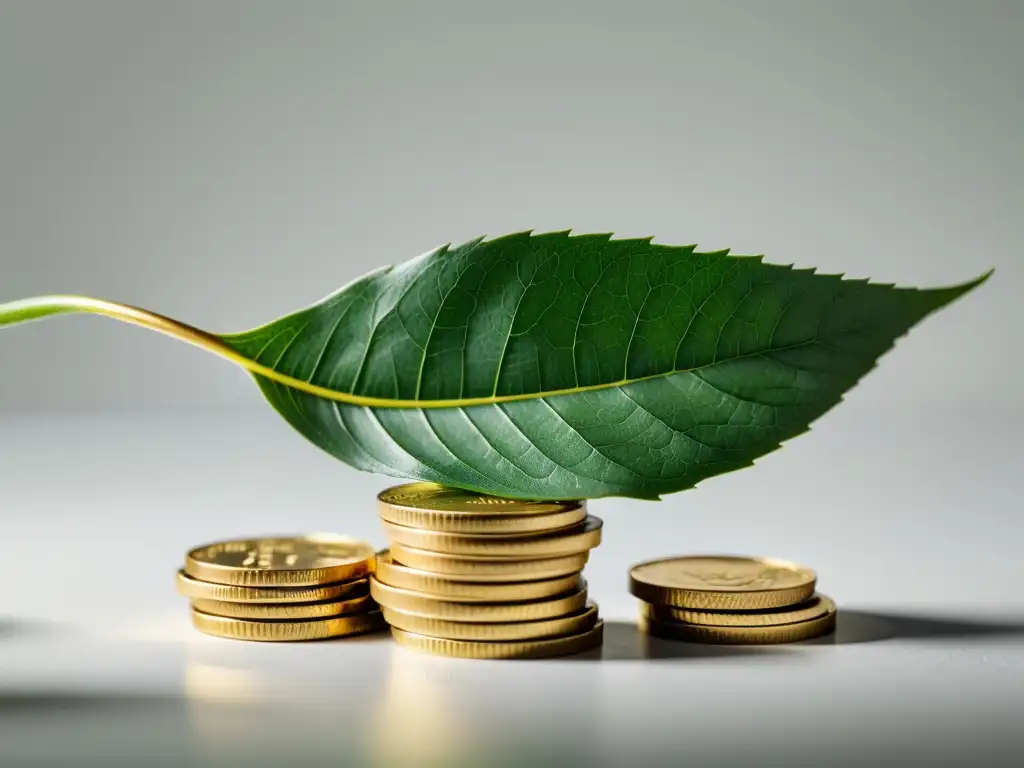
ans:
(281, 589)
(737, 600)
(477, 576)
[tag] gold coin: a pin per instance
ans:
(722, 582)
(529, 649)
(437, 508)
(206, 590)
(291, 561)
(396, 575)
(285, 611)
(441, 498)
(817, 606)
(488, 569)
(779, 633)
(572, 624)
(565, 541)
(424, 605)
(287, 631)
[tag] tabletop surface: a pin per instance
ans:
(910, 520)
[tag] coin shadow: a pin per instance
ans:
(623, 641)
(12, 628)
(872, 627)
(22, 702)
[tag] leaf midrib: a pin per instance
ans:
(52, 305)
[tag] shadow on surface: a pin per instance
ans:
(871, 627)
(623, 641)
(35, 702)
(12, 628)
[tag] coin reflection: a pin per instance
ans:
(219, 700)
(214, 683)
(417, 722)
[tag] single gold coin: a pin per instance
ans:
(816, 607)
(765, 635)
(287, 631)
(529, 649)
(570, 540)
(438, 508)
(722, 582)
(287, 561)
(396, 575)
(207, 590)
(285, 611)
(486, 613)
(441, 498)
(573, 624)
(488, 569)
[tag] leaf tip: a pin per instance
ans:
(969, 285)
(951, 293)
(983, 277)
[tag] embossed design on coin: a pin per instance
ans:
(722, 582)
(281, 561)
(437, 498)
(453, 511)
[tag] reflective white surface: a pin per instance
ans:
(912, 522)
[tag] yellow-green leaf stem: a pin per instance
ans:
(41, 307)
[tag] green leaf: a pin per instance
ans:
(555, 366)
